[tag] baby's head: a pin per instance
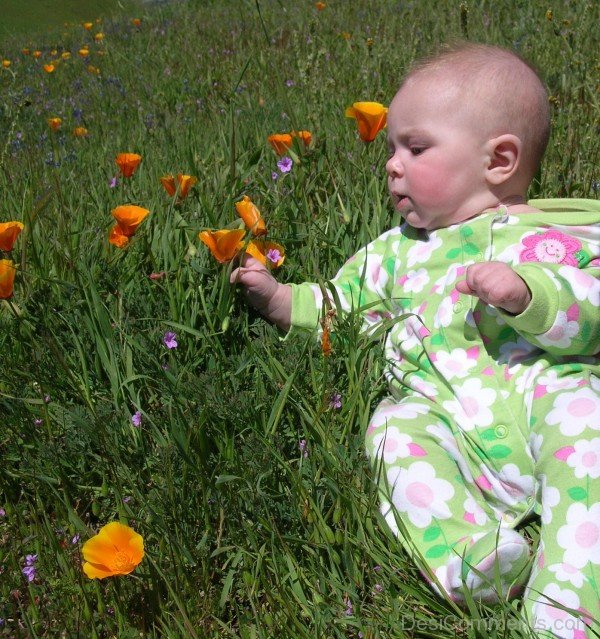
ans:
(468, 126)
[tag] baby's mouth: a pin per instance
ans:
(402, 200)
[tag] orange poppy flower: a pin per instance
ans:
(251, 216)
(83, 52)
(65, 55)
(280, 142)
(88, 25)
(9, 231)
(6, 63)
(128, 163)
(136, 22)
(184, 182)
(49, 68)
(320, 6)
(371, 117)
(305, 136)
(117, 238)
(25, 51)
(129, 217)
(80, 132)
(36, 54)
(116, 550)
(99, 37)
(54, 123)
(7, 278)
(224, 245)
(266, 252)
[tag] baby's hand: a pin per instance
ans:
(497, 284)
(263, 291)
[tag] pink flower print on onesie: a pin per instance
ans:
(551, 246)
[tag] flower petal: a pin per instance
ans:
(224, 244)
(9, 231)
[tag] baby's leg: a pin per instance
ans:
(432, 502)
(566, 447)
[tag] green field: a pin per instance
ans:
(247, 482)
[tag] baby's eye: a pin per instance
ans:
(417, 150)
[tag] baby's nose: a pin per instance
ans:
(394, 166)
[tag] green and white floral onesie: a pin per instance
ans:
(491, 418)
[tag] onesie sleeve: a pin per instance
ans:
(563, 317)
(363, 284)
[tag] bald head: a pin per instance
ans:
(499, 90)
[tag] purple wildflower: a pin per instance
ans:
(136, 419)
(289, 83)
(273, 255)
(349, 607)
(285, 164)
(112, 183)
(274, 175)
(335, 401)
(2, 512)
(38, 421)
(29, 570)
(126, 500)
(170, 340)
(303, 447)
(46, 399)
(75, 539)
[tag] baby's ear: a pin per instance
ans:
(504, 154)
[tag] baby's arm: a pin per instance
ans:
(497, 284)
(270, 298)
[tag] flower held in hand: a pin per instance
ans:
(116, 550)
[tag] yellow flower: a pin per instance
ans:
(371, 117)
(53, 52)
(92, 69)
(280, 142)
(116, 550)
(7, 278)
(83, 52)
(49, 68)
(80, 132)
(251, 216)
(6, 63)
(65, 55)
(54, 123)
(370, 42)
(9, 231)
(128, 163)
(129, 217)
(225, 244)
(36, 54)
(99, 37)
(88, 25)
(346, 35)
(184, 182)
(549, 15)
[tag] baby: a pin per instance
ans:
(492, 305)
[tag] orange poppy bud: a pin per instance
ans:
(185, 184)
(49, 68)
(266, 252)
(83, 53)
(168, 181)
(9, 231)
(320, 6)
(136, 22)
(305, 136)
(36, 54)
(80, 132)
(251, 216)
(116, 550)
(224, 245)
(129, 217)
(6, 63)
(25, 51)
(371, 117)
(280, 142)
(88, 25)
(128, 163)
(7, 278)
(54, 123)
(117, 238)
(99, 37)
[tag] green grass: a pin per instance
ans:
(245, 536)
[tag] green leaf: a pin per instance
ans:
(471, 249)
(465, 231)
(499, 451)
(488, 435)
(452, 253)
(437, 339)
(432, 533)
(437, 551)
(577, 493)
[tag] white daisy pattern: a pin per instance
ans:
(417, 492)
(585, 458)
(547, 616)
(574, 412)
(471, 408)
(580, 536)
(566, 572)
(456, 363)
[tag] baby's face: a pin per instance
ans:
(436, 165)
